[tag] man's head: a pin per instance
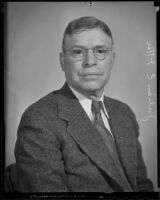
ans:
(87, 56)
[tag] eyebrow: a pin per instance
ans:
(99, 46)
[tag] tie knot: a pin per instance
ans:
(96, 106)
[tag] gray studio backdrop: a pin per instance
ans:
(34, 35)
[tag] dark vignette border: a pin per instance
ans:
(24, 196)
(158, 92)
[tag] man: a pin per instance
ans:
(67, 141)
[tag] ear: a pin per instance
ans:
(113, 58)
(61, 58)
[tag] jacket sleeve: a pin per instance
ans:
(39, 161)
(144, 184)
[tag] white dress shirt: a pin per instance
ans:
(86, 105)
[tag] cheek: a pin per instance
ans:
(72, 69)
(107, 66)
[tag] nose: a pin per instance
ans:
(89, 59)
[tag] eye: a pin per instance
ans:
(77, 51)
(101, 50)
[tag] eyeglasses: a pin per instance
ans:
(79, 53)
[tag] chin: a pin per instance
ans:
(88, 86)
(92, 87)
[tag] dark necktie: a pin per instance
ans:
(108, 139)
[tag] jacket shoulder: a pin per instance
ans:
(121, 109)
(119, 106)
(45, 106)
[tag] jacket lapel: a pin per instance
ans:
(122, 130)
(84, 133)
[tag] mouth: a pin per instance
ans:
(90, 76)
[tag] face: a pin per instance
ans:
(88, 75)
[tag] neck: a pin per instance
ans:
(95, 95)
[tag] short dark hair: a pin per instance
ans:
(84, 23)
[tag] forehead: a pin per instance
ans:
(88, 38)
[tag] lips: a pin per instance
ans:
(90, 74)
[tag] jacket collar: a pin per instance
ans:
(123, 132)
(86, 136)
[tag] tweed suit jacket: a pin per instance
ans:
(58, 149)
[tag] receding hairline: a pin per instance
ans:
(83, 24)
(71, 37)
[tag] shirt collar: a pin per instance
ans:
(86, 102)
